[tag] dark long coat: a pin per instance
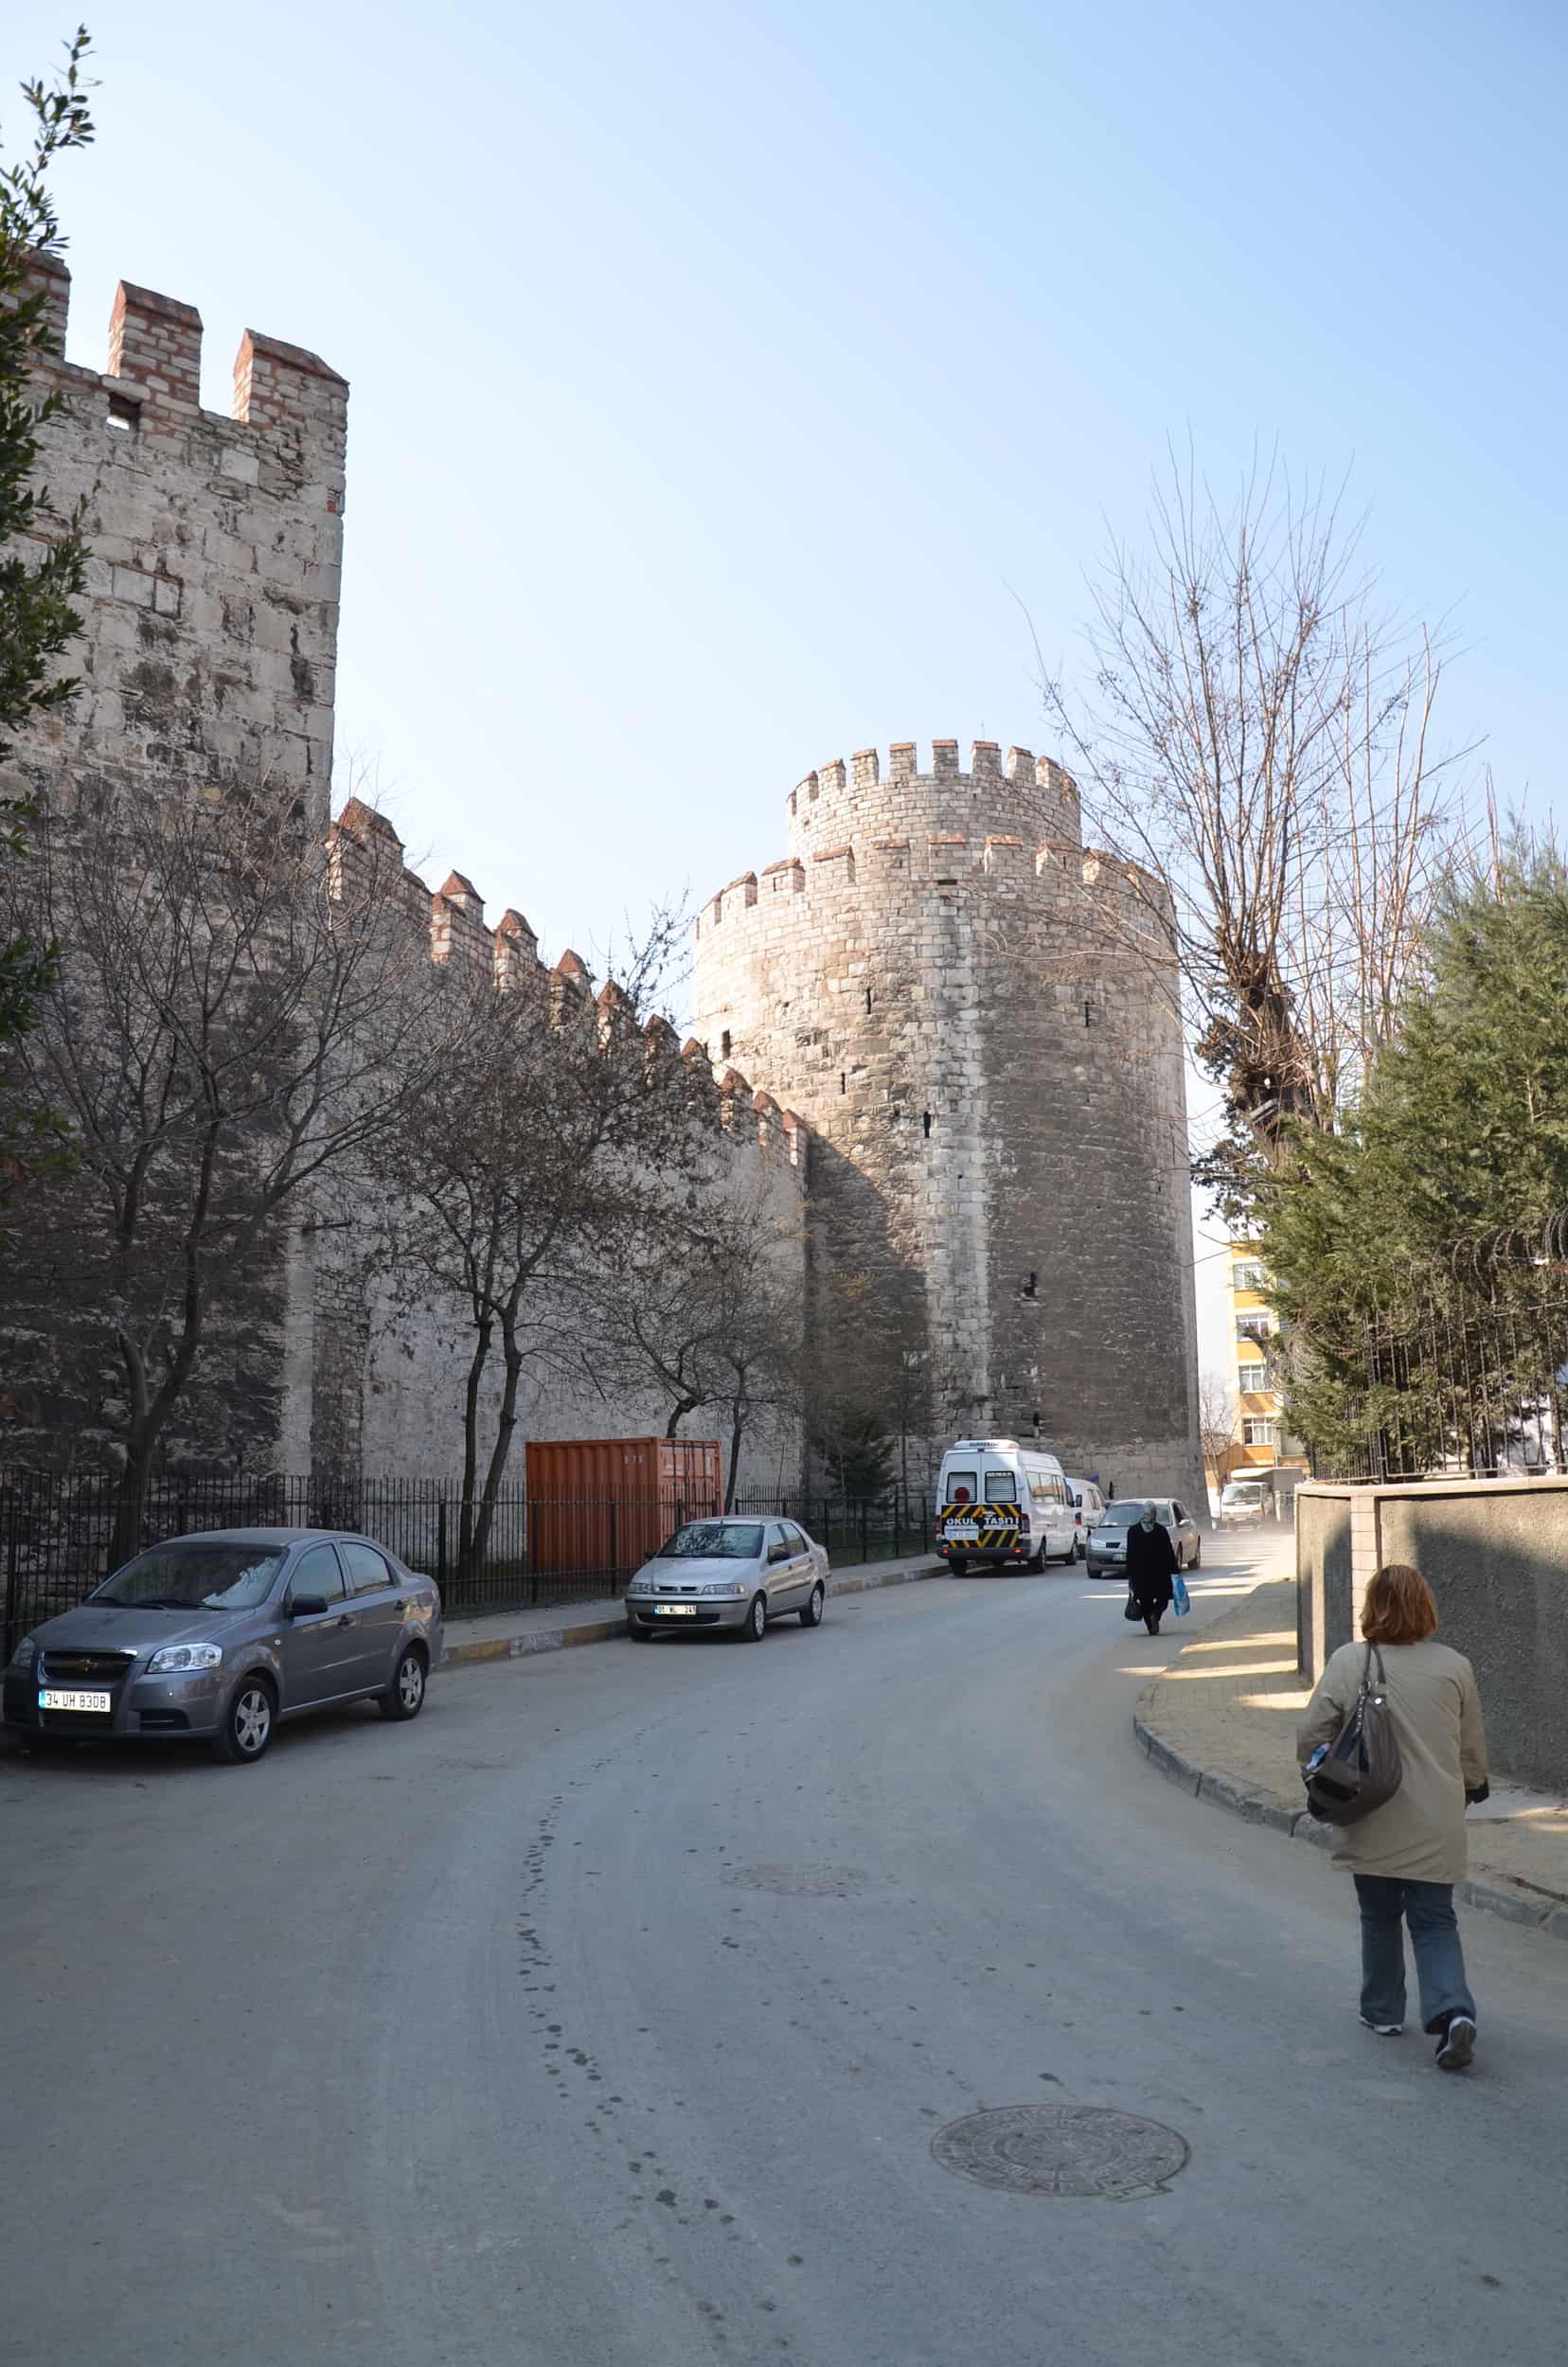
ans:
(1150, 1566)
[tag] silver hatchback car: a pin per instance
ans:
(1107, 1555)
(221, 1634)
(728, 1572)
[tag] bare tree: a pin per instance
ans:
(1260, 741)
(531, 1160)
(699, 1305)
(228, 1030)
(1217, 1424)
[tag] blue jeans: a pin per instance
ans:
(1427, 1907)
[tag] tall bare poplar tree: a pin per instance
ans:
(1260, 737)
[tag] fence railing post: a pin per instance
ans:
(865, 1514)
(440, 1543)
(13, 1608)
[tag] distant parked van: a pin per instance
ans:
(1004, 1506)
(1245, 1503)
(1088, 1503)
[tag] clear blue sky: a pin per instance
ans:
(721, 374)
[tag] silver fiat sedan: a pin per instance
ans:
(732, 1573)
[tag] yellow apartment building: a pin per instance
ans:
(1261, 1443)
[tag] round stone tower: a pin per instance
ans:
(979, 1022)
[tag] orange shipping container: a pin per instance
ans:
(599, 1507)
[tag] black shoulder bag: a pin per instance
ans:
(1361, 1768)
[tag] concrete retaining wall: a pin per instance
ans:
(1495, 1554)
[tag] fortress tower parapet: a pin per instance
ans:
(859, 803)
(215, 545)
(979, 1022)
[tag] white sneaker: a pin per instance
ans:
(1457, 2044)
(1383, 2029)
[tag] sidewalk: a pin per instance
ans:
(1220, 1722)
(560, 1626)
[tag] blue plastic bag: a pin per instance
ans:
(1181, 1601)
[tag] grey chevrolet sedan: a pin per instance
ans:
(729, 1574)
(220, 1635)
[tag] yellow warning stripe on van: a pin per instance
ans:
(996, 1525)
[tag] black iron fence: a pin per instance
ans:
(56, 1531)
(1466, 1388)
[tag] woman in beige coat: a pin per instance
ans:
(1407, 1855)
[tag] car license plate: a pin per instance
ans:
(676, 1611)
(49, 1699)
(966, 1535)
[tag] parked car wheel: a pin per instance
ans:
(757, 1620)
(1037, 1560)
(247, 1726)
(1080, 1548)
(404, 1697)
(958, 1565)
(810, 1612)
(1197, 1557)
(638, 1634)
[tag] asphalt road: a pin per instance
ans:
(605, 2016)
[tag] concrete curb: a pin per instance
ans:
(1540, 1911)
(530, 1640)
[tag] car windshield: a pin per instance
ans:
(1121, 1515)
(194, 1573)
(713, 1541)
(1241, 1493)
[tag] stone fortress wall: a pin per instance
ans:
(376, 1384)
(216, 544)
(977, 1020)
(208, 658)
(927, 1010)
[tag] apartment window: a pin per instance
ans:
(1249, 1276)
(1254, 1326)
(1260, 1434)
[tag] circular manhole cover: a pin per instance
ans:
(1062, 2149)
(798, 1881)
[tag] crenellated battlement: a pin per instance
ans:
(214, 550)
(365, 866)
(154, 375)
(1007, 824)
(868, 800)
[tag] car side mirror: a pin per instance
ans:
(305, 1606)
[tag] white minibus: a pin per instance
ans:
(1004, 1506)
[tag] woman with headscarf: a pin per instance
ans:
(1150, 1567)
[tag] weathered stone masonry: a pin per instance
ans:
(973, 1017)
(216, 546)
(207, 658)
